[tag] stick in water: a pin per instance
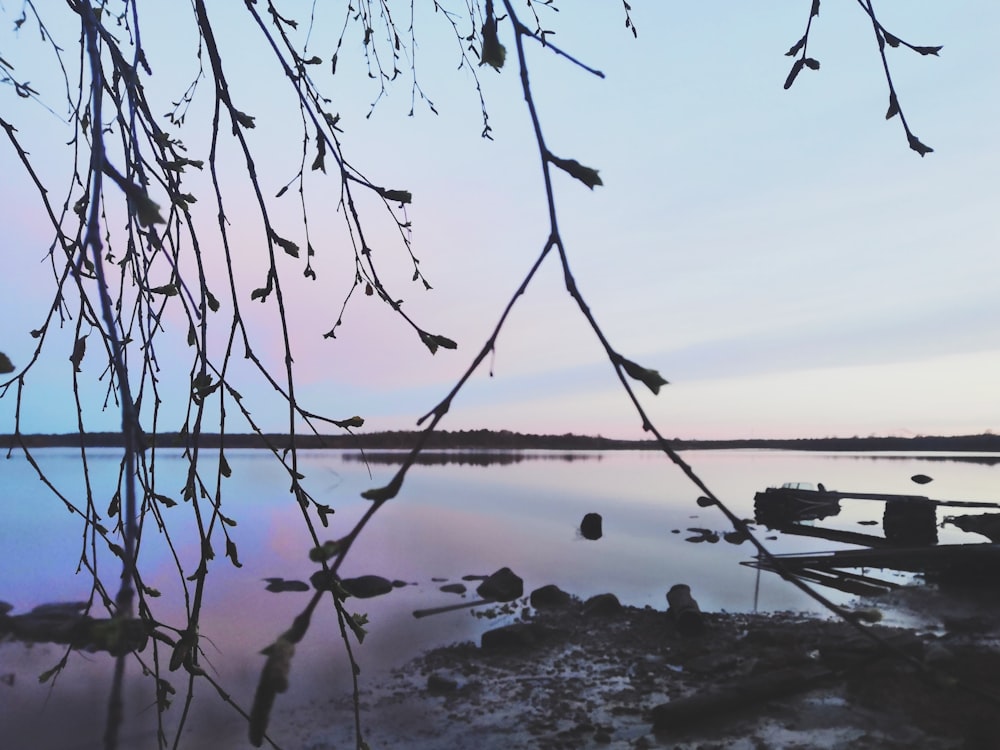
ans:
(418, 613)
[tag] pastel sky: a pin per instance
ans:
(781, 257)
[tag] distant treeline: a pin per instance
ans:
(986, 443)
(505, 440)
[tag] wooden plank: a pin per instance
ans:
(842, 580)
(820, 496)
(915, 559)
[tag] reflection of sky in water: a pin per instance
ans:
(448, 521)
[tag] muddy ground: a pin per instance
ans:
(590, 674)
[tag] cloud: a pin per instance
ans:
(881, 337)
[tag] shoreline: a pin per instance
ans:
(592, 674)
(504, 442)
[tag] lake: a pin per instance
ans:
(451, 520)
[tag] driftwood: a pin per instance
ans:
(686, 712)
(917, 559)
(839, 658)
(418, 613)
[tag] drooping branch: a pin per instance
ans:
(799, 50)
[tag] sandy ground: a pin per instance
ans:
(578, 677)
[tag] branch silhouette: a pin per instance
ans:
(117, 294)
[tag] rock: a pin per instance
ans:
(514, 637)
(684, 610)
(550, 597)
(735, 537)
(704, 535)
(936, 655)
(712, 664)
(325, 580)
(441, 682)
(453, 588)
(591, 526)
(868, 614)
(601, 605)
(365, 587)
(502, 586)
(279, 585)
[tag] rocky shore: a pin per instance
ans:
(564, 673)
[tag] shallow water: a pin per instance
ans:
(449, 521)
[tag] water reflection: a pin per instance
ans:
(986, 459)
(469, 458)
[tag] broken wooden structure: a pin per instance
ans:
(909, 542)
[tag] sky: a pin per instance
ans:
(780, 256)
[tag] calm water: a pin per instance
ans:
(449, 521)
